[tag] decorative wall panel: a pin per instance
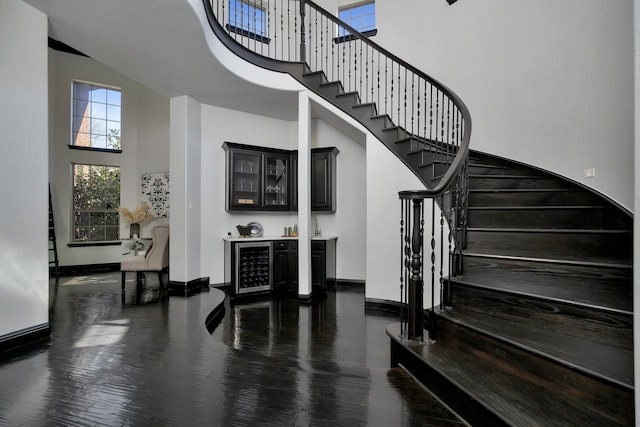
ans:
(155, 193)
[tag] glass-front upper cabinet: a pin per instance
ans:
(245, 180)
(257, 178)
(276, 181)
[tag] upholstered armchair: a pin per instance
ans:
(155, 259)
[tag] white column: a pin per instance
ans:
(304, 195)
(636, 249)
(185, 161)
(24, 268)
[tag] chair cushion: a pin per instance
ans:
(134, 263)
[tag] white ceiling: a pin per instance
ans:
(160, 44)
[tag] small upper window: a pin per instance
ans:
(96, 117)
(361, 16)
(248, 18)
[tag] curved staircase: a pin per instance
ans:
(535, 327)
(538, 329)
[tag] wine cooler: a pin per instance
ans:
(253, 267)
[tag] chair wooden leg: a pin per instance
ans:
(124, 274)
(138, 286)
(161, 295)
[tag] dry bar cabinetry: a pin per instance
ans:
(266, 266)
(265, 179)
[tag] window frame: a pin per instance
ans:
(248, 31)
(75, 116)
(343, 34)
(73, 241)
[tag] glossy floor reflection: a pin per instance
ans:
(274, 362)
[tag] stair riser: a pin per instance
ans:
(497, 182)
(396, 133)
(488, 170)
(347, 101)
(364, 113)
(591, 219)
(331, 90)
(314, 80)
(449, 392)
(580, 390)
(547, 245)
(535, 198)
(622, 276)
(608, 328)
(380, 123)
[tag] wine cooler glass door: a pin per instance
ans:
(253, 267)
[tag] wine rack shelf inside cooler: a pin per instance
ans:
(253, 267)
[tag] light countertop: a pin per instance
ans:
(265, 238)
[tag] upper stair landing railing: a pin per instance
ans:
(277, 34)
(419, 119)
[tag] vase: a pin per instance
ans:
(134, 230)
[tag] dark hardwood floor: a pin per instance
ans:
(275, 362)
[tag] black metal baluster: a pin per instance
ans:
(316, 38)
(275, 29)
(303, 36)
(281, 55)
(350, 68)
(391, 95)
(442, 133)
(333, 62)
(386, 86)
(378, 79)
(431, 114)
(361, 90)
(415, 109)
(403, 273)
(432, 320)
(289, 45)
(405, 125)
(405, 99)
(442, 211)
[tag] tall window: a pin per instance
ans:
(96, 197)
(95, 117)
(361, 16)
(247, 18)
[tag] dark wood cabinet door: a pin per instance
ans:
(276, 194)
(280, 270)
(323, 179)
(293, 267)
(318, 265)
(258, 178)
(244, 185)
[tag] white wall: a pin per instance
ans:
(547, 83)
(383, 225)
(145, 145)
(24, 269)
(349, 221)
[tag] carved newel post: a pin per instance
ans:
(415, 281)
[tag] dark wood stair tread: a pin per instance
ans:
(513, 400)
(601, 361)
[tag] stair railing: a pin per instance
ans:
(300, 37)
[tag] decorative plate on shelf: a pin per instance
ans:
(256, 229)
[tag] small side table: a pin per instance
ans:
(137, 246)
